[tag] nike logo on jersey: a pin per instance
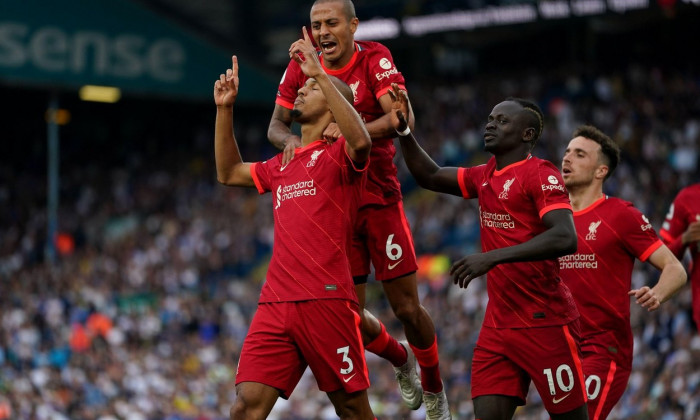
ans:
(346, 380)
(485, 184)
(282, 167)
(392, 266)
(558, 400)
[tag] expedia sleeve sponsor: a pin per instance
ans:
(578, 260)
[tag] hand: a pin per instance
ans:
(226, 88)
(304, 53)
(692, 233)
(646, 298)
(332, 132)
(470, 267)
(399, 107)
(290, 145)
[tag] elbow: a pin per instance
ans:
(571, 242)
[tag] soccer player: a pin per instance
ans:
(681, 231)
(383, 235)
(612, 233)
(531, 328)
(307, 312)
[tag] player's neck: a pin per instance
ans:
(311, 132)
(582, 197)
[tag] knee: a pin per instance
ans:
(242, 410)
(408, 311)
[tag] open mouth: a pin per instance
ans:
(328, 47)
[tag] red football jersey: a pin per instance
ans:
(611, 234)
(685, 210)
(512, 202)
(370, 73)
(315, 200)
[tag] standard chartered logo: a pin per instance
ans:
(578, 260)
(300, 189)
(496, 220)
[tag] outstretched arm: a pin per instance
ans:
(230, 168)
(357, 140)
(427, 173)
(559, 239)
(671, 280)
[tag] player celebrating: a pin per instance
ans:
(307, 312)
(531, 329)
(611, 234)
(383, 235)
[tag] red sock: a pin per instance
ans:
(386, 347)
(429, 367)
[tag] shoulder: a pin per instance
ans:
(691, 192)
(372, 46)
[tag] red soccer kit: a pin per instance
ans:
(611, 234)
(382, 229)
(685, 210)
(308, 303)
(526, 299)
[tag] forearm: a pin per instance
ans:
(673, 277)
(349, 121)
(278, 132)
(226, 152)
(552, 243)
(381, 128)
(419, 163)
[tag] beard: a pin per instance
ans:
(295, 113)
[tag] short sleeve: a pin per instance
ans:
(260, 171)
(469, 179)
(384, 71)
(548, 190)
(636, 232)
(292, 80)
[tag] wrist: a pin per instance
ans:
(405, 132)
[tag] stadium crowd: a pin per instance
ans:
(159, 268)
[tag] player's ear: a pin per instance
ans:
(528, 134)
(354, 22)
(602, 171)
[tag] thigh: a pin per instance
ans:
(493, 373)
(552, 359)
(389, 242)
(606, 381)
(327, 332)
(269, 355)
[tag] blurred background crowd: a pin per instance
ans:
(141, 313)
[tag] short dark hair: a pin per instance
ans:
(348, 7)
(536, 117)
(610, 150)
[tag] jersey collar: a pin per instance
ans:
(345, 67)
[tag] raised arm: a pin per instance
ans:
(230, 168)
(427, 173)
(357, 140)
(559, 239)
(671, 280)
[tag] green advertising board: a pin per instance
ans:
(70, 43)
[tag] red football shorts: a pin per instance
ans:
(507, 359)
(606, 381)
(383, 236)
(284, 338)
